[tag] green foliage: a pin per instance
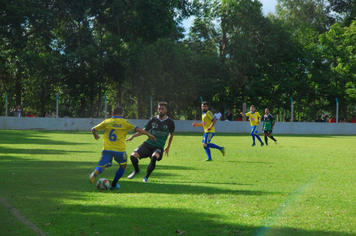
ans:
(131, 50)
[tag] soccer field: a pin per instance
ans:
(305, 185)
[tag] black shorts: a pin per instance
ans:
(146, 150)
(268, 132)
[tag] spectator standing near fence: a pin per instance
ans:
(217, 115)
(229, 115)
(47, 115)
(29, 114)
(16, 112)
(333, 119)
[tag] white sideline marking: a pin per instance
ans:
(21, 218)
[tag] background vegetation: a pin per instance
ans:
(83, 50)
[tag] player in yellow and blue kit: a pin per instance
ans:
(208, 122)
(115, 131)
(255, 120)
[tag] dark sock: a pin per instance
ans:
(134, 162)
(273, 138)
(266, 140)
(151, 166)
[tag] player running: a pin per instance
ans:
(162, 127)
(255, 120)
(268, 124)
(114, 146)
(208, 122)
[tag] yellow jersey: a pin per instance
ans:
(207, 119)
(253, 117)
(116, 129)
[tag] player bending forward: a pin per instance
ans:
(161, 127)
(114, 146)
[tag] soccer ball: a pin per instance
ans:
(102, 184)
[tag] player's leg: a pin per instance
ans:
(134, 160)
(141, 152)
(105, 161)
(206, 140)
(156, 156)
(212, 145)
(257, 136)
(253, 135)
(121, 159)
(271, 137)
(266, 138)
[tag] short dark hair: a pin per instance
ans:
(117, 110)
(163, 104)
(205, 103)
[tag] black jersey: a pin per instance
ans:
(267, 122)
(160, 129)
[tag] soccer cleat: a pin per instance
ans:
(145, 180)
(253, 145)
(132, 175)
(262, 144)
(222, 150)
(208, 160)
(93, 176)
(116, 187)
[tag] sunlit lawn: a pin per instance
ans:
(305, 185)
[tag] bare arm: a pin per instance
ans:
(170, 138)
(198, 124)
(139, 133)
(96, 135)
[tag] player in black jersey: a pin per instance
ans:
(162, 127)
(268, 124)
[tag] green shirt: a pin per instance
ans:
(160, 129)
(267, 122)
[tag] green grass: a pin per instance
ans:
(303, 186)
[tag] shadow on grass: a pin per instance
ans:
(38, 151)
(35, 137)
(40, 190)
(217, 134)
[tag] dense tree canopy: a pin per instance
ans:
(132, 51)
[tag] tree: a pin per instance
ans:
(338, 49)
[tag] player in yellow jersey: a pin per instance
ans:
(208, 122)
(255, 120)
(115, 131)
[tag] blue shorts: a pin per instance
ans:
(107, 156)
(254, 129)
(207, 137)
